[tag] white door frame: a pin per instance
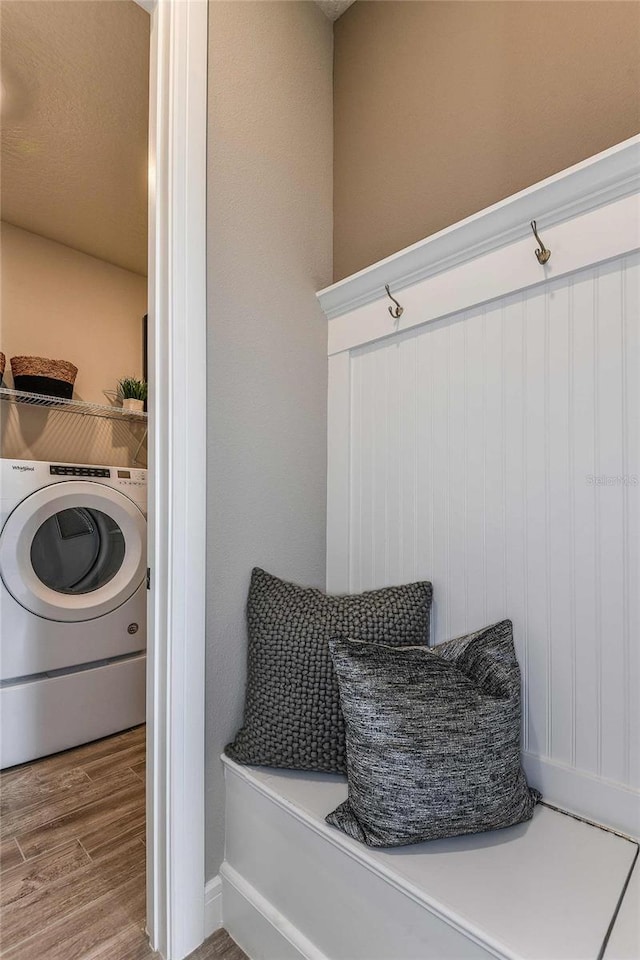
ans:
(177, 482)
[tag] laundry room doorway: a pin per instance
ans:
(102, 489)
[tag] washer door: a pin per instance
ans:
(73, 551)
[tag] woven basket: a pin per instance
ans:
(2, 363)
(53, 378)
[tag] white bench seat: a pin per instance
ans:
(624, 943)
(295, 887)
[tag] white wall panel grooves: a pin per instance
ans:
(495, 452)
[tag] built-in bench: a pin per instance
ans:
(293, 887)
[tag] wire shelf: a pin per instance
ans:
(71, 406)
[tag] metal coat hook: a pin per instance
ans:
(397, 311)
(542, 254)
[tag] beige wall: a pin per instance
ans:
(59, 303)
(269, 250)
(443, 108)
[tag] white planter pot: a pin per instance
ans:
(133, 405)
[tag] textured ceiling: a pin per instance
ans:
(74, 124)
(334, 8)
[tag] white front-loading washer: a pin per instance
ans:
(73, 564)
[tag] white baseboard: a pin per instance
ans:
(611, 804)
(212, 906)
(257, 926)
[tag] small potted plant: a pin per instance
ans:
(133, 393)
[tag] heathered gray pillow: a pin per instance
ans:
(433, 739)
(292, 714)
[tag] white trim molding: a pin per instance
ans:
(594, 237)
(177, 481)
(258, 925)
(619, 805)
(212, 906)
(609, 176)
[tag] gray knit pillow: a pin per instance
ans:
(433, 739)
(292, 714)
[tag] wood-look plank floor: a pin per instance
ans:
(72, 857)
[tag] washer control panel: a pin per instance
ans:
(63, 470)
(123, 476)
(129, 477)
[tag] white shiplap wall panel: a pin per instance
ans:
(585, 563)
(495, 452)
(610, 522)
(560, 560)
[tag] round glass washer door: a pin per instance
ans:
(73, 551)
